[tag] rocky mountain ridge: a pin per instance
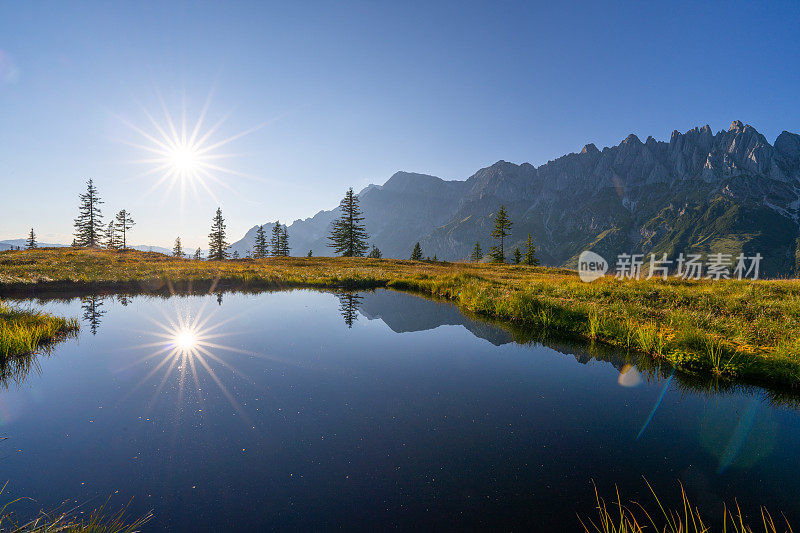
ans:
(699, 192)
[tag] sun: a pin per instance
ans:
(184, 157)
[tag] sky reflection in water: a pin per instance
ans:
(306, 410)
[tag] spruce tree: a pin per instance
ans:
(502, 229)
(310, 253)
(124, 224)
(530, 252)
(198, 254)
(416, 253)
(517, 256)
(89, 224)
(218, 248)
(275, 239)
(74, 243)
(260, 250)
(177, 250)
(348, 235)
(111, 236)
(477, 253)
(375, 253)
(31, 240)
(284, 240)
(236, 254)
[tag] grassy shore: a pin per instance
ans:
(733, 330)
(23, 331)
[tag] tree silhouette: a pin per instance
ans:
(260, 250)
(89, 224)
(198, 254)
(477, 253)
(517, 256)
(348, 306)
(177, 250)
(236, 254)
(124, 224)
(310, 253)
(284, 240)
(375, 253)
(502, 229)
(218, 247)
(348, 235)
(275, 240)
(416, 253)
(530, 252)
(111, 236)
(31, 240)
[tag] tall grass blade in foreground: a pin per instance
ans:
(620, 518)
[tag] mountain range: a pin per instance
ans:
(731, 192)
(9, 244)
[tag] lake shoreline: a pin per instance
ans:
(729, 330)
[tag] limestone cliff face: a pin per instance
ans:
(700, 192)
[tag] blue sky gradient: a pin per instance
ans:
(351, 92)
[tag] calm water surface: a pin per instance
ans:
(308, 410)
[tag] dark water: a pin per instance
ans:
(306, 410)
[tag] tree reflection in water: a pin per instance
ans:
(91, 311)
(348, 306)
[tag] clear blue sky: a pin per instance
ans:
(352, 92)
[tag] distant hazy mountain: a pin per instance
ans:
(700, 192)
(22, 243)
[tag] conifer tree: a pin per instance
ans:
(236, 254)
(89, 224)
(31, 240)
(502, 229)
(375, 253)
(123, 225)
(74, 243)
(310, 254)
(477, 253)
(198, 254)
(177, 250)
(348, 235)
(218, 247)
(275, 239)
(260, 250)
(530, 252)
(111, 236)
(517, 256)
(416, 253)
(284, 241)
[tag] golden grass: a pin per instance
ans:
(23, 331)
(635, 518)
(730, 329)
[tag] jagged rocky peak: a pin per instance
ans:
(788, 146)
(632, 139)
(590, 149)
(736, 126)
